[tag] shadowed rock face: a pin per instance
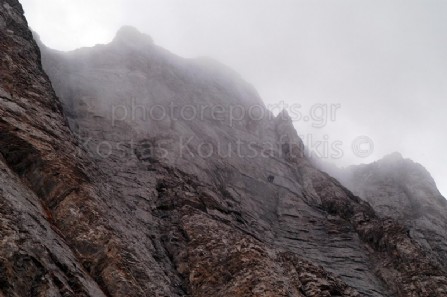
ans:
(149, 182)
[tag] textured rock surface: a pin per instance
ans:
(402, 189)
(139, 197)
(62, 191)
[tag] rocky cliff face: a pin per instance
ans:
(162, 176)
(402, 189)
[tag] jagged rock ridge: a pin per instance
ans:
(117, 205)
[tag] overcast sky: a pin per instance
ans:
(383, 62)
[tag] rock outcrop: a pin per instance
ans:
(153, 175)
(401, 189)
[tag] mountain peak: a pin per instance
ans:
(132, 36)
(284, 116)
(396, 156)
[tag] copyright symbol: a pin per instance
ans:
(363, 146)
